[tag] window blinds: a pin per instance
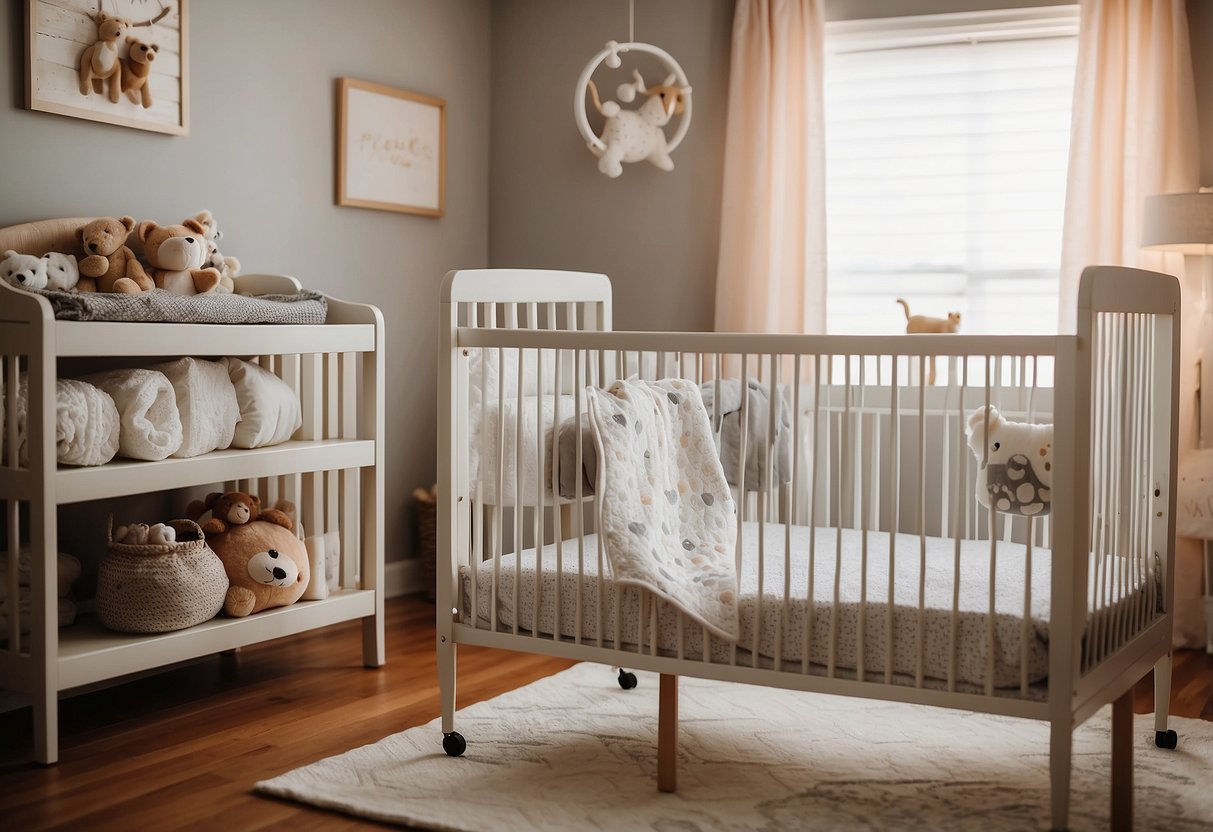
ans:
(946, 153)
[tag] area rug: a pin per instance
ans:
(574, 751)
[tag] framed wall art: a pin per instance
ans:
(123, 62)
(391, 149)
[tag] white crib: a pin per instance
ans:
(871, 570)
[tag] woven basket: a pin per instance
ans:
(427, 535)
(160, 587)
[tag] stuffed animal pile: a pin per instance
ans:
(266, 562)
(183, 259)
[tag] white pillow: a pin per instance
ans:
(206, 400)
(269, 408)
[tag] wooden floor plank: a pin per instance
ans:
(180, 750)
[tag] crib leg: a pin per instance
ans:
(452, 742)
(667, 734)
(1163, 737)
(1061, 741)
(1122, 763)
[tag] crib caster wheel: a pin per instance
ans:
(627, 680)
(454, 744)
(1166, 739)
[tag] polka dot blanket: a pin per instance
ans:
(667, 517)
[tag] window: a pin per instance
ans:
(947, 141)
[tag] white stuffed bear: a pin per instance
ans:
(1018, 473)
(62, 272)
(636, 135)
(25, 271)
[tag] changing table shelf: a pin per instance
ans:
(88, 339)
(90, 653)
(123, 476)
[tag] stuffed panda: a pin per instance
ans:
(1017, 476)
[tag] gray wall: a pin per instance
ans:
(260, 155)
(654, 233)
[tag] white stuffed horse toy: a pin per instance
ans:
(636, 135)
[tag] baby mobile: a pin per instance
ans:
(637, 134)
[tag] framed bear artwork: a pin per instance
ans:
(123, 62)
(391, 152)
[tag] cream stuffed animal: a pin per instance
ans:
(1017, 476)
(25, 271)
(636, 135)
(62, 271)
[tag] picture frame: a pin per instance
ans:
(391, 149)
(60, 32)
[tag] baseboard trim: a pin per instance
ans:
(402, 577)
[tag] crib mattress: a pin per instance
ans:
(765, 621)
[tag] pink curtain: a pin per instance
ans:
(1134, 134)
(771, 273)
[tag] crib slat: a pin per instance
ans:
(579, 360)
(962, 466)
(743, 450)
(895, 517)
(807, 642)
(1024, 627)
(992, 518)
(539, 483)
(864, 507)
(922, 522)
(558, 504)
(844, 459)
(793, 503)
(765, 497)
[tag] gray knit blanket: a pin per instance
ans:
(162, 306)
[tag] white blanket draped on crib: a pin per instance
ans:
(667, 517)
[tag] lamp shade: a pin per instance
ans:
(1178, 222)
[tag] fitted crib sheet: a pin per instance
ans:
(760, 614)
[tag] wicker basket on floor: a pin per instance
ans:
(427, 537)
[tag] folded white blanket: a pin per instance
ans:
(67, 569)
(86, 423)
(66, 612)
(206, 402)
(150, 424)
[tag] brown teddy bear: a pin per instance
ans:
(235, 508)
(108, 259)
(266, 566)
(100, 61)
(136, 68)
(177, 254)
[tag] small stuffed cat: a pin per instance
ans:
(925, 324)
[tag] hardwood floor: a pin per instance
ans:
(181, 749)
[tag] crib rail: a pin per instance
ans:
(948, 596)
